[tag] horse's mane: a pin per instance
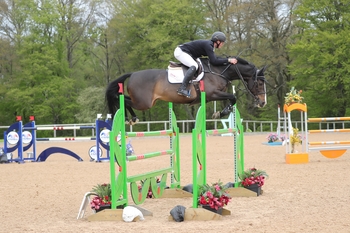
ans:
(241, 60)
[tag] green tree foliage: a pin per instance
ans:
(44, 83)
(321, 62)
(150, 30)
(91, 102)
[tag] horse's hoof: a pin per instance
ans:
(134, 121)
(216, 115)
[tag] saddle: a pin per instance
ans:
(176, 69)
(177, 65)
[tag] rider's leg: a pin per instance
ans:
(188, 61)
(188, 77)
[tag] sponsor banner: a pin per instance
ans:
(26, 137)
(93, 152)
(104, 135)
(12, 138)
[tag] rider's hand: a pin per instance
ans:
(232, 60)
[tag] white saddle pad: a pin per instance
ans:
(176, 75)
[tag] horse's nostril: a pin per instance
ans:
(261, 104)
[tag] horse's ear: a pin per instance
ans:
(261, 72)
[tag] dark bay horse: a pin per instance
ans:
(145, 87)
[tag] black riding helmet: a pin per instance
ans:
(218, 36)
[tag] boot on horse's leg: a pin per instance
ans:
(188, 76)
(227, 110)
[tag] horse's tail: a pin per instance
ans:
(112, 93)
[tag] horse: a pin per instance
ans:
(145, 87)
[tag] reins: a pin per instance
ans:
(220, 75)
(240, 76)
(245, 83)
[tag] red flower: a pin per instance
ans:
(253, 176)
(214, 195)
(202, 200)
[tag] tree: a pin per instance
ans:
(13, 26)
(261, 31)
(91, 102)
(321, 62)
(44, 66)
(41, 85)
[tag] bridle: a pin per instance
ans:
(255, 84)
(255, 80)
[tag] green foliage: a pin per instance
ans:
(91, 103)
(102, 190)
(321, 64)
(252, 172)
(53, 102)
(217, 189)
(150, 30)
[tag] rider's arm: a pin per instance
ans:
(214, 59)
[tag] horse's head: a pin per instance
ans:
(256, 86)
(253, 80)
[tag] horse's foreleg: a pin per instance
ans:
(228, 108)
(226, 111)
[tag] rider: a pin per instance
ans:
(187, 54)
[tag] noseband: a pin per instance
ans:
(255, 84)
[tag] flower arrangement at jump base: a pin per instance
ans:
(272, 137)
(102, 198)
(213, 197)
(293, 96)
(253, 179)
(295, 139)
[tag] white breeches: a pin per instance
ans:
(185, 58)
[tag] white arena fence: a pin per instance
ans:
(185, 126)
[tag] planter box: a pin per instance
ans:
(207, 207)
(107, 206)
(297, 158)
(254, 188)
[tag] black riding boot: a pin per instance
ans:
(188, 76)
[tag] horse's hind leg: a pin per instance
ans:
(134, 118)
